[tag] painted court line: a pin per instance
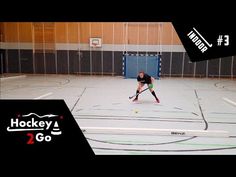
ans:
(12, 77)
(42, 96)
(213, 145)
(229, 101)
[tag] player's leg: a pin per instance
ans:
(140, 85)
(150, 86)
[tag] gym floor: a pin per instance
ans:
(102, 101)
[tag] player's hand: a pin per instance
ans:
(150, 86)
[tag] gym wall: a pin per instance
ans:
(63, 48)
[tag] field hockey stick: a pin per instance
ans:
(138, 93)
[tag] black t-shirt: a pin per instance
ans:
(145, 80)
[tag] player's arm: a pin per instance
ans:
(140, 85)
(151, 84)
(152, 80)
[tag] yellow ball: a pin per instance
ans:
(136, 111)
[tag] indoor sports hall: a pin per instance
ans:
(93, 67)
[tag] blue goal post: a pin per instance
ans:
(133, 63)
